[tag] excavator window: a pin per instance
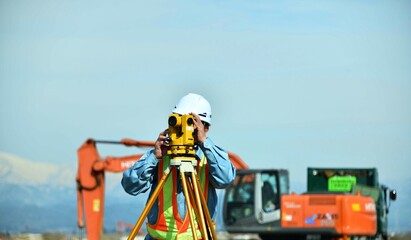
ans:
(240, 198)
(269, 192)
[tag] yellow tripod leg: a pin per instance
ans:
(198, 211)
(203, 223)
(204, 204)
(190, 212)
(149, 204)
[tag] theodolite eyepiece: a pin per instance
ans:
(172, 120)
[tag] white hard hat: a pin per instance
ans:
(194, 103)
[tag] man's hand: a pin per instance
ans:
(161, 146)
(200, 130)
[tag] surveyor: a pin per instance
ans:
(168, 217)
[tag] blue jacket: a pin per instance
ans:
(143, 176)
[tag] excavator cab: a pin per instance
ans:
(252, 202)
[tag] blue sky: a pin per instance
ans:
(292, 83)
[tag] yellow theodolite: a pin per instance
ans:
(180, 136)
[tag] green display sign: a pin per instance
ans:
(341, 183)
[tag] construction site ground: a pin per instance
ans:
(221, 236)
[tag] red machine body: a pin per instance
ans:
(335, 214)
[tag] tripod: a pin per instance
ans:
(193, 194)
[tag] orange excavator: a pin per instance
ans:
(91, 181)
(339, 204)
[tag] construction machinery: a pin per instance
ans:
(336, 206)
(91, 180)
(363, 181)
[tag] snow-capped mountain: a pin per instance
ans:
(42, 197)
(16, 170)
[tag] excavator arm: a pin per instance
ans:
(91, 180)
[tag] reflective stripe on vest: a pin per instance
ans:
(169, 224)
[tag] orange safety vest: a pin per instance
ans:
(169, 224)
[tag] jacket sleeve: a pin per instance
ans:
(222, 171)
(139, 177)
